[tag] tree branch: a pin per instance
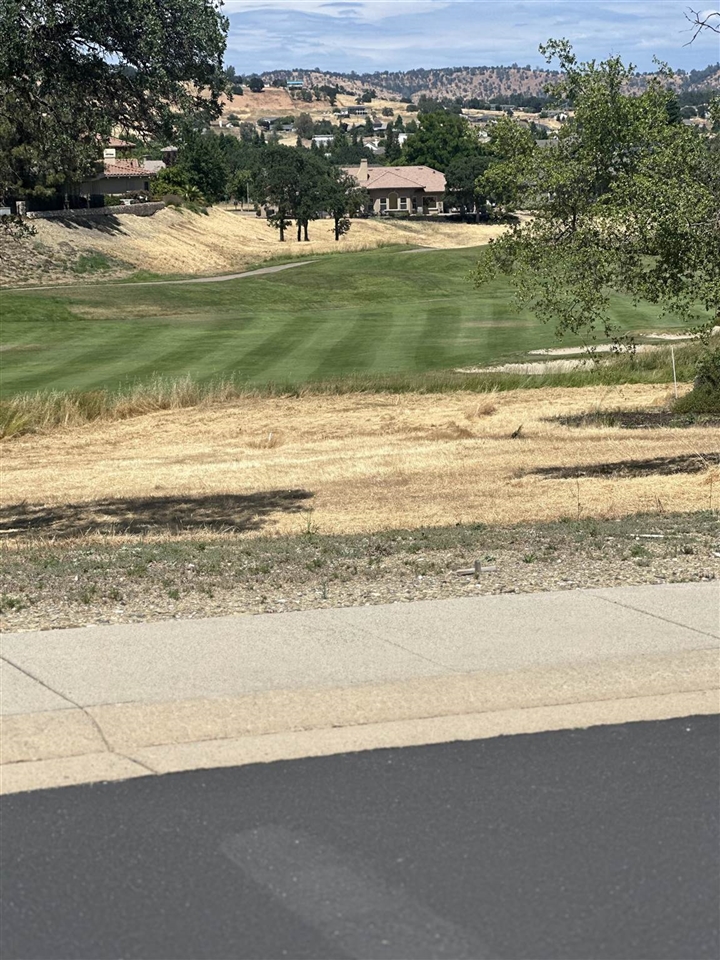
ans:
(699, 22)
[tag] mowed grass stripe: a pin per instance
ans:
(372, 312)
(78, 363)
(183, 347)
(272, 357)
(358, 349)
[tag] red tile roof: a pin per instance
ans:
(126, 168)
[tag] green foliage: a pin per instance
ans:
(202, 161)
(15, 228)
(348, 150)
(170, 181)
(392, 147)
(462, 175)
(305, 126)
(704, 398)
(343, 199)
(72, 72)
(255, 84)
(291, 182)
(440, 138)
(627, 202)
(92, 263)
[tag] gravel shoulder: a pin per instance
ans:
(47, 584)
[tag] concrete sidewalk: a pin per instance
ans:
(111, 702)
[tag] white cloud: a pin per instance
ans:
(368, 35)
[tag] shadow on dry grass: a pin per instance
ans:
(236, 513)
(660, 466)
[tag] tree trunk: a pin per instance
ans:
(337, 228)
(282, 231)
(305, 230)
(299, 230)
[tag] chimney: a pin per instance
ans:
(363, 173)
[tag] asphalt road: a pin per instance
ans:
(596, 843)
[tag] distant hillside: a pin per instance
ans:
(485, 83)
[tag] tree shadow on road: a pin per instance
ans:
(228, 513)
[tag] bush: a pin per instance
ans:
(705, 394)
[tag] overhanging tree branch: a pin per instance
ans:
(700, 21)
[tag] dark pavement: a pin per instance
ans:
(591, 843)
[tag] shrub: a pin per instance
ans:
(705, 394)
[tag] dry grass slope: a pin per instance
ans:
(374, 462)
(177, 241)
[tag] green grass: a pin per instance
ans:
(375, 314)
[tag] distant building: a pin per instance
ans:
(357, 111)
(169, 155)
(392, 190)
(295, 84)
(115, 177)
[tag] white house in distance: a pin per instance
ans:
(415, 189)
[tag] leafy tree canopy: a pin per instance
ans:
(440, 138)
(628, 200)
(462, 176)
(305, 126)
(74, 71)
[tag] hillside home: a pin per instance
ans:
(116, 176)
(395, 190)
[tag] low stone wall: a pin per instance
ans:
(133, 209)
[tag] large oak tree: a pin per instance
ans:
(74, 70)
(627, 201)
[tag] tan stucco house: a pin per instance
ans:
(394, 190)
(117, 176)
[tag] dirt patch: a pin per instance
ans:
(639, 419)
(657, 466)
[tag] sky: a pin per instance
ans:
(370, 35)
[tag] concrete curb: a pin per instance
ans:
(210, 754)
(114, 741)
(113, 702)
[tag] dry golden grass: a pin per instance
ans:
(373, 462)
(179, 241)
(277, 102)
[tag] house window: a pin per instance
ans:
(383, 204)
(403, 203)
(147, 185)
(431, 202)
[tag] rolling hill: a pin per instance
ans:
(484, 82)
